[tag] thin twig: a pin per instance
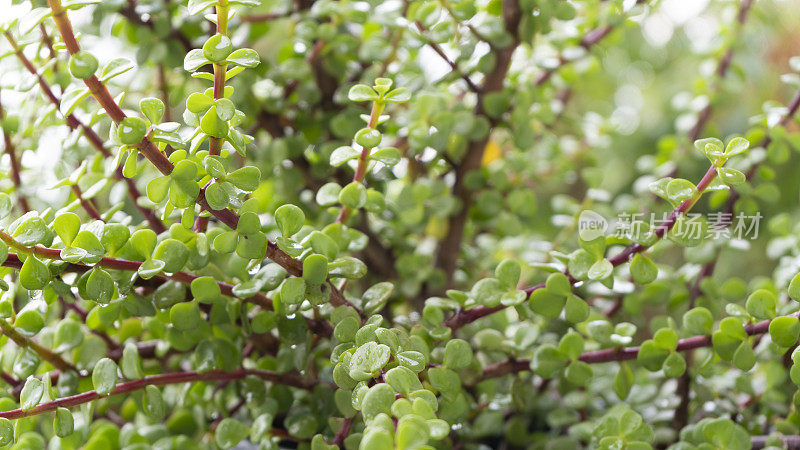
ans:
(100, 92)
(44, 354)
(288, 379)
(75, 124)
(10, 150)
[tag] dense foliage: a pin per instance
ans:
(545, 224)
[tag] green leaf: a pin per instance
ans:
(5, 204)
(578, 372)
(571, 345)
(744, 358)
(398, 95)
(710, 147)
(623, 381)
(230, 432)
(730, 176)
(185, 316)
(205, 289)
(600, 270)
(72, 98)
(368, 137)
(388, 156)
(378, 399)
(293, 291)
(82, 65)
(114, 68)
(152, 108)
(680, 190)
(31, 393)
(64, 424)
(547, 304)
(131, 363)
(457, 354)
(784, 330)
(290, 219)
(198, 6)
(761, 304)
(6, 432)
(212, 125)
(558, 283)
(34, 274)
(67, 225)
(157, 188)
(68, 335)
(174, 253)
(245, 57)
(377, 439)
(29, 322)
(414, 360)
(412, 432)
(444, 380)
(362, 93)
(343, 154)
(216, 196)
(367, 360)
(548, 361)
(315, 269)
(643, 270)
(224, 108)
(354, 195)
(347, 267)
(151, 268)
(217, 48)
(153, 402)
(328, 194)
(131, 130)
(100, 286)
(508, 273)
(666, 338)
(576, 310)
(651, 356)
(345, 331)
(698, 321)
(794, 288)
(736, 145)
(104, 376)
(674, 366)
(199, 103)
(30, 231)
(403, 380)
(246, 178)
(513, 298)
(375, 297)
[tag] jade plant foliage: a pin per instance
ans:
(403, 224)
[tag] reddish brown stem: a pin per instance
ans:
(589, 40)
(363, 159)
(16, 178)
(287, 379)
(319, 327)
(616, 354)
(160, 161)
(74, 123)
(45, 354)
(468, 316)
(453, 66)
(449, 248)
(343, 432)
(86, 204)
